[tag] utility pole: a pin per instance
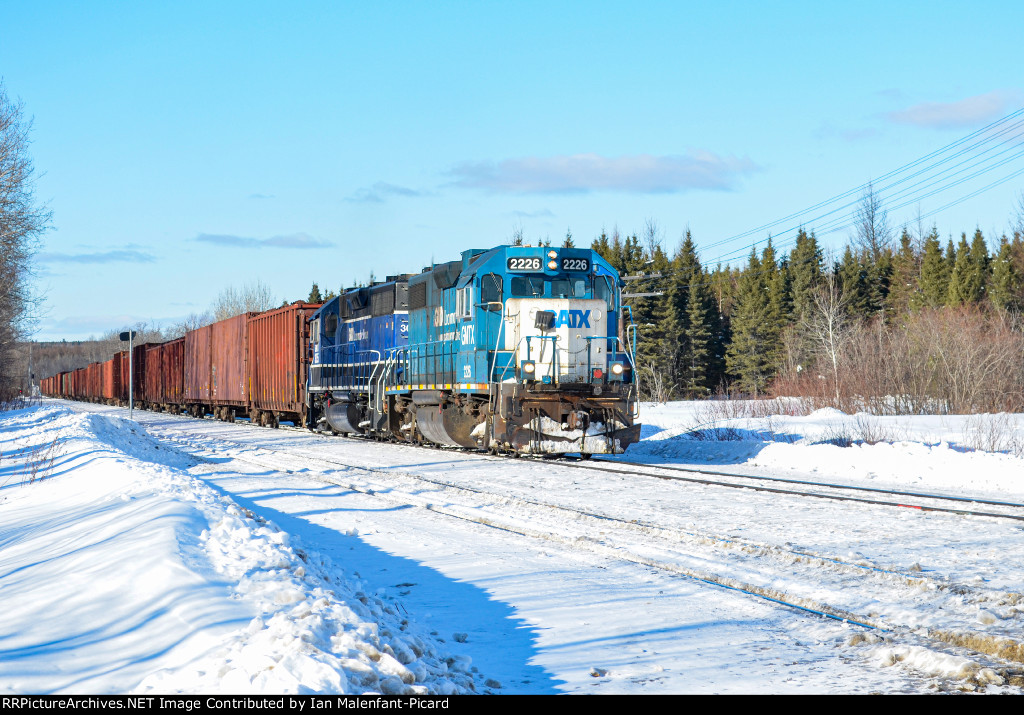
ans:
(129, 335)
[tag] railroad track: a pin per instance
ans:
(747, 567)
(824, 490)
(1013, 511)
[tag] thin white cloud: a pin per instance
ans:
(970, 112)
(120, 256)
(78, 327)
(295, 240)
(383, 190)
(541, 213)
(584, 173)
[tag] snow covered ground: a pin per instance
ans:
(167, 554)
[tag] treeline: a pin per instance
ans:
(915, 326)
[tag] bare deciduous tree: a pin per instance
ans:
(652, 236)
(22, 222)
(193, 321)
(254, 296)
(652, 384)
(1018, 219)
(828, 326)
(517, 235)
(871, 222)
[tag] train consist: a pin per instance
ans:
(516, 349)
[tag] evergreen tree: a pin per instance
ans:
(674, 317)
(567, 243)
(700, 364)
(1005, 289)
(648, 311)
(754, 354)
(617, 257)
(934, 281)
(603, 247)
(853, 281)
(904, 286)
(314, 295)
(878, 277)
(961, 286)
(978, 268)
(806, 272)
(633, 257)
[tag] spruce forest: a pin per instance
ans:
(897, 324)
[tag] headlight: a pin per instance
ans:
(552, 265)
(528, 367)
(552, 254)
(616, 369)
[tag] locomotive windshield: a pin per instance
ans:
(527, 286)
(575, 287)
(569, 288)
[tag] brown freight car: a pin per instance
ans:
(110, 377)
(122, 365)
(197, 370)
(93, 382)
(172, 358)
(139, 373)
(277, 364)
(229, 394)
(153, 394)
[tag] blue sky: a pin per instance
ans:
(189, 146)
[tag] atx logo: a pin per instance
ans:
(573, 319)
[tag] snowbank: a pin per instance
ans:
(121, 572)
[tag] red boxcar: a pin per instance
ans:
(139, 372)
(172, 370)
(277, 363)
(197, 367)
(122, 362)
(110, 372)
(227, 362)
(93, 382)
(154, 388)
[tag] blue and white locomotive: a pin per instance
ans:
(515, 349)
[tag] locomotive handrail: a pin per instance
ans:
(493, 394)
(448, 351)
(346, 366)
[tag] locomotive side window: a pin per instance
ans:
(331, 325)
(464, 302)
(603, 289)
(490, 288)
(527, 286)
